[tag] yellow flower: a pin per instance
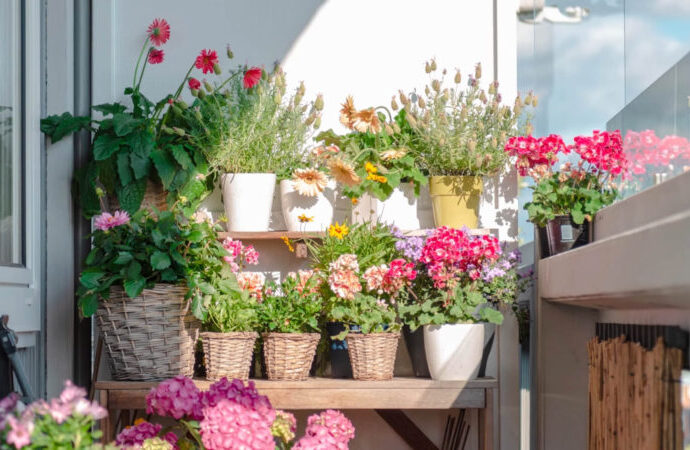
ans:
(309, 182)
(305, 218)
(355, 201)
(370, 168)
(288, 243)
(377, 178)
(343, 172)
(338, 231)
(392, 154)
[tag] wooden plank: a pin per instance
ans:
(486, 422)
(406, 429)
(275, 235)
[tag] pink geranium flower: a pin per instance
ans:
(159, 32)
(206, 60)
(156, 56)
(106, 221)
(251, 77)
(194, 84)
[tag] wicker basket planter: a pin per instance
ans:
(289, 355)
(154, 197)
(372, 355)
(228, 354)
(150, 337)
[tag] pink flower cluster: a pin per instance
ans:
(532, 152)
(384, 279)
(343, 276)
(106, 221)
(305, 277)
(252, 282)
(239, 254)
(450, 253)
(141, 431)
(328, 430)
(177, 397)
(603, 150)
(645, 150)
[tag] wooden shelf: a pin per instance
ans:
(323, 393)
(275, 235)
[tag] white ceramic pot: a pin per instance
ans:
(454, 351)
(320, 208)
(247, 198)
(400, 209)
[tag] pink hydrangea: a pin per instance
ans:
(177, 397)
(253, 282)
(328, 430)
(137, 434)
(106, 221)
(232, 426)
(237, 392)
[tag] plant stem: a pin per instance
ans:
(136, 68)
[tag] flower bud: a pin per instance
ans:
(195, 92)
(216, 69)
(208, 86)
(197, 114)
(396, 127)
(528, 99)
(472, 145)
(427, 91)
(529, 129)
(182, 104)
(482, 96)
(229, 52)
(421, 102)
(317, 122)
(179, 131)
(201, 93)
(433, 65)
(301, 89)
(403, 98)
(318, 104)
(436, 85)
(411, 120)
(226, 93)
(177, 110)
(458, 77)
(478, 71)
(277, 99)
(394, 104)
(310, 120)
(389, 130)
(427, 68)
(535, 101)
(471, 81)
(100, 192)
(492, 87)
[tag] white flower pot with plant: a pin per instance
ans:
(454, 351)
(385, 167)
(460, 135)
(249, 135)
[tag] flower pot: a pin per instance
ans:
(248, 198)
(372, 355)
(455, 200)
(289, 355)
(228, 354)
(150, 337)
(154, 197)
(414, 341)
(454, 351)
(319, 208)
(561, 234)
(400, 209)
(340, 358)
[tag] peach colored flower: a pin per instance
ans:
(253, 282)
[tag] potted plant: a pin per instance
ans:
(135, 160)
(146, 280)
(289, 320)
(565, 201)
(231, 317)
(459, 134)
(386, 167)
(462, 281)
(249, 133)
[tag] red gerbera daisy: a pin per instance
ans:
(156, 56)
(194, 84)
(159, 32)
(206, 60)
(251, 77)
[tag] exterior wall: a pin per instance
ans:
(368, 49)
(59, 256)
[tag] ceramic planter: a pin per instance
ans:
(414, 341)
(247, 198)
(455, 200)
(320, 208)
(454, 351)
(400, 209)
(561, 234)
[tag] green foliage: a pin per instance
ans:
(556, 195)
(76, 431)
(257, 130)
(367, 312)
(231, 308)
(290, 308)
(150, 249)
(460, 131)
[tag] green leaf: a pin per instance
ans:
(57, 127)
(123, 258)
(160, 260)
(140, 165)
(182, 157)
(104, 146)
(195, 236)
(91, 257)
(142, 143)
(131, 195)
(89, 278)
(577, 215)
(123, 124)
(198, 308)
(491, 315)
(123, 168)
(168, 275)
(88, 304)
(134, 270)
(109, 108)
(165, 166)
(134, 287)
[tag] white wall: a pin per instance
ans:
(369, 49)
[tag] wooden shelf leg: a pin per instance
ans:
(406, 429)
(486, 422)
(107, 422)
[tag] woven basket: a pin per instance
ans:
(372, 355)
(289, 355)
(154, 196)
(228, 354)
(150, 337)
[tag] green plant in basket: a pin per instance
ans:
(294, 306)
(369, 313)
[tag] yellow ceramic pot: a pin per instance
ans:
(455, 200)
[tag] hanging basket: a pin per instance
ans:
(372, 355)
(150, 337)
(154, 197)
(228, 354)
(289, 355)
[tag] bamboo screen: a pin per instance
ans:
(634, 396)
